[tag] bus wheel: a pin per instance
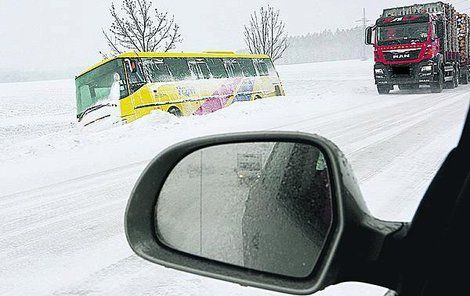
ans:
(257, 97)
(175, 111)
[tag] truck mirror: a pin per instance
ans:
(440, 29)
(369, 34)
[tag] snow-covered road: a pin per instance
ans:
(64, 190)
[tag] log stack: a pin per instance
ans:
(463, 36)
(451, 15)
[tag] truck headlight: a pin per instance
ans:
(379, 71)
(427, 68)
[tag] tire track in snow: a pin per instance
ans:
(7, 200)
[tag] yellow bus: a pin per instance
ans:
(131, 85)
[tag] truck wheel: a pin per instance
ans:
(463, 78)
(437, 87)
(454, 83)
(383, 89)
(456, 79)
(450, 84)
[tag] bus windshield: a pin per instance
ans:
(96, 85)
(403, 33)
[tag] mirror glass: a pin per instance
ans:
(262, 206)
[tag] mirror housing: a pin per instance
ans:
(358, 248)
(369, 33)
(131, 65)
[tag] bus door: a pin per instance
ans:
(135, 74)
(136, 80)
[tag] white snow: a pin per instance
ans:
(64, 188)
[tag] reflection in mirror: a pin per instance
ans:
(262, 206)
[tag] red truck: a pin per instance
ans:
(420, 45)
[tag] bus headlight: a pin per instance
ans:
(379, 71)
(427, 68)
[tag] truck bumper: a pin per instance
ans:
(423, 73)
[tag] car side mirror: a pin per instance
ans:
(278, 211)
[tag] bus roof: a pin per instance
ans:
(206, 54)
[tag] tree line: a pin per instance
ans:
(342, 44)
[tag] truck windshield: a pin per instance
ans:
(403, 33)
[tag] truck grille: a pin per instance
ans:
(402, 55)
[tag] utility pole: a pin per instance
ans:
(364, 22)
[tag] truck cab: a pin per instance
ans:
(417, 46)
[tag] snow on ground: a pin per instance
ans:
(64, 189)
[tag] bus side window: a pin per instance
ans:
(271, 70)
(233, 68)
(247, 67)
(217, 68)
(262, 68)
(229, 68)
(204, 69)
(157, 70)
(199, 69)
(179, 68)
(195, 71)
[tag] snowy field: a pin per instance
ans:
(64, 189)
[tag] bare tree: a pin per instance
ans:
(139, 27)
(266, 33)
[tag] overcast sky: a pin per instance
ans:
(59, 34)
